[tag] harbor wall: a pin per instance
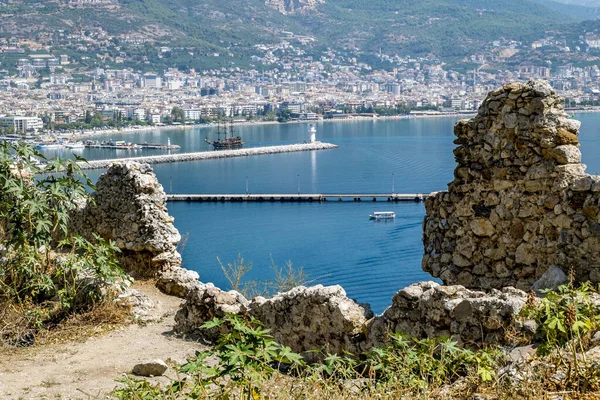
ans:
(209, 155)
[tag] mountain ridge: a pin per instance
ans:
(442, 28)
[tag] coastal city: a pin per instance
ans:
(300, 199)
(46, 91)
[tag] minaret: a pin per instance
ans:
(313, 133)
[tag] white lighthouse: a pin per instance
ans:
(313, 133)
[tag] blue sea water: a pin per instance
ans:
(334, 242)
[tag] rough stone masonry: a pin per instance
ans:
(520, 201)
(129, 207)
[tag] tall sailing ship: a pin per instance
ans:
(229, 142)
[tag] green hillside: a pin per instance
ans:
(443, 27)
(231, 29)
(446, 28)
(588, 11)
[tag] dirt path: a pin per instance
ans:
(88, 370)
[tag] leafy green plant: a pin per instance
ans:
(247, 355)
(137, 389)
(424, 363)
(45, 267)
(241, 362)
(565, 318)
(246, 361)
(565, 315)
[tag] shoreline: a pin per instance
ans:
(132, 130)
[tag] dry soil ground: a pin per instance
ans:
(88, 370)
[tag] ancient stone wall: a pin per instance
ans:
(520, 202)
(471, 318)
(326, 320)
(304, 318)
(129, 208)
(314, 318)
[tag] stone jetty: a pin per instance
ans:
(209, 155)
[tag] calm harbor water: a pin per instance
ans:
(335, 243)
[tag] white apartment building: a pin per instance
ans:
(23, 124)
(151, 81)
(136, 113)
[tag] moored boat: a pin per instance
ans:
(49, 146)
(75, 146)
(231, 142)
(227, 143)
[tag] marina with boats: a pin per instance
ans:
(109, 144)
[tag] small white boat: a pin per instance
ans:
(49, 146)
(76, 145)
(382, 215)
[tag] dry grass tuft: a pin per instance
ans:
(16, 328)
(102, 318)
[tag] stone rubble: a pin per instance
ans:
(177, 281)
(139, 305)
(520, 201)
(325, 319)
(304, 318)
(203, 303)
(314, 318)
(550, 280)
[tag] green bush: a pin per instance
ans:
(566, 319)
(46, 270)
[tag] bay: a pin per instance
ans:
(334, 242)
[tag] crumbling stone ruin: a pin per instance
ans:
(472, 318)
(129, 208)
(304, 318)
(520, 202)
(324, 318)
(317, 317)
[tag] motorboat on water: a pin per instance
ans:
(75, 145)
(377, 215)
(49, 146)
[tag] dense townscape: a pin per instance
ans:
(71, 79)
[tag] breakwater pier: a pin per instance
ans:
(209, 155)
(309, 198)
(132, 146)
